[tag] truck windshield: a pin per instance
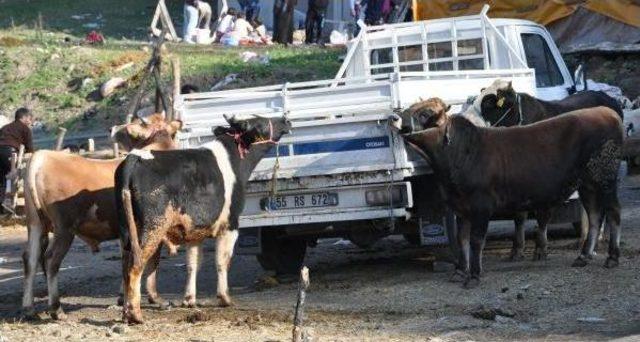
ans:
(539, 57)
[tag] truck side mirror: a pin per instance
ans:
(579, 81)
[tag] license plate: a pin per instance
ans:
(319, 199)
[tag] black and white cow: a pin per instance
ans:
(182, 197)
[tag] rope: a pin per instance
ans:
(509, 111)
(274, 175)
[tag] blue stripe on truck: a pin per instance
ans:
(333, 146)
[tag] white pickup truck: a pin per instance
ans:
(342, 172)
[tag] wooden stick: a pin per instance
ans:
(298, 319)
(157, 72)
(91, 145)
(18, 177)
(175, 68)
(60, 139)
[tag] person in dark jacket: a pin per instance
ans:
(373, 12)
(314, 23)
(283, 21)
(11, 137)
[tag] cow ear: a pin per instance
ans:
(510, 86)
(230, 119)
(448, 108)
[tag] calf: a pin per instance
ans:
(69, 196)
(183, 197)
(489, 171)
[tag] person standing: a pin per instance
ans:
(11, 137)
(314, 23)
(283, 21)
(251, 9)
(204, 14)
(356, 9)
(190, 20)
(373, 12)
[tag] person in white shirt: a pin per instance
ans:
(241, 28)
(226, 23)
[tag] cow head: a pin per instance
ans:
(151, 132)
(497, 102)
(257, 129)
(422, 115)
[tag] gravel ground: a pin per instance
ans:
(392, 292)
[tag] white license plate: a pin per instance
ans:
(312, 200)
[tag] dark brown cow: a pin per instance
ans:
(69, 196)
(496, 171)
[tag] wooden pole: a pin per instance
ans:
(299, 334)
(157, 72)
(91, 145)
(60, 139)
(175, 69)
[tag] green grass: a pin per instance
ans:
(116, 18)
(45, 73)
(42, 69)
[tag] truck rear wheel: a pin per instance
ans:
(282, 254)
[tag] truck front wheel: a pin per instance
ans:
(280, 253)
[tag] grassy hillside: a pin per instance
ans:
(53, 73)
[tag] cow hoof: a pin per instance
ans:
(458, 277)
(133, 318)
(29, 314)
(539, 255)
(516, 256)
(189, 303)
(471, 283)
(224, 301)
(579, 262)
(611, 263)
(155, 300)
(58, 315)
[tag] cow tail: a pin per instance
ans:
(126, 214)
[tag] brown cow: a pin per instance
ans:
(489, 171)
(69, 196)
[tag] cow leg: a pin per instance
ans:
(479, 228)
(594, 213)
(517, 252)
(30, 257)
(462, 268)
(193, 265)
(612, 214)
(152, 277)
(543, 217)
(55, 253)
(225, 242)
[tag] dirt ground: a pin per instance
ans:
(391, 292)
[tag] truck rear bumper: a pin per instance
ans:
(352, 203)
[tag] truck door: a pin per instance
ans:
(553, 80)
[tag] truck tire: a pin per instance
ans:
(281, 254)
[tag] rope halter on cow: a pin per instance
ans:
(520, 119)
(243, 147)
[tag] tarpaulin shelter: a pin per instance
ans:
(571, 22)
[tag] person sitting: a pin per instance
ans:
(11, 137)
(226, 24)
(260, 32)
(241, 31)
